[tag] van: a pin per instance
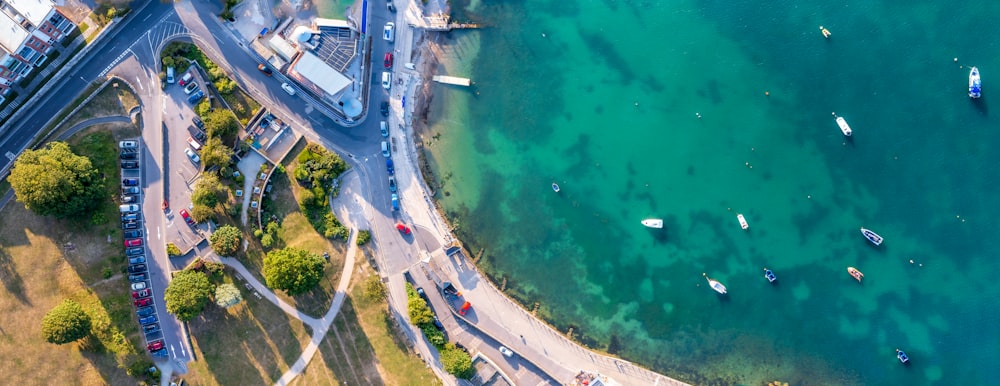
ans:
(384, 128)
(386, 79)
(170, 75)
(385, 149)
(194, 144)
(288, 88)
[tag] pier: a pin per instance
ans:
(453, 80)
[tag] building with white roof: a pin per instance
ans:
(310, 70)
(28, 31)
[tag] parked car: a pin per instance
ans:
(422, 294)
(265, 69)
(128, 145)
(395, 202)
(194, 98)
(133, 243)
(386, 151)
(387, 61)
(139, 286)
(140, 277)
(135, 251)
(148, 320)
(133, 234)
(191, 154)
(130, 182)
(194, 144)
(186, 78)
(389, 32)
(403, 228)
(137, 260)
(130, 217)
(384, 108)
(465, 308)
(128, 155)
(151, 328)
(128, 208)
(197, 133)
(438, 325)
(137, 268)
(129, 199)
(130, 164)
(130, 190)
(187, 217)
(392, 184)
(389, 168)
(288, 88)
(383, 128)
(386, 80)
(197, 122)
(141, 294)
(190, 87)
(142, 302)
(155, 345)
(127, 225)
(506, 352)
(145, 311)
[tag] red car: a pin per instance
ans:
(143, 302)
(155, 345)
(187, 217)
(140, 294)
(403, 228)
(465, 308)
(388, 60)
(133, 243)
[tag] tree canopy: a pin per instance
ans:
(53, 181)
(294, 270)
(207, 190)
(417, 308)
(187, 294)
(215, 153)
(226, 240)
(65, 323)
(221, 123)
(456, 362)
(227, 295)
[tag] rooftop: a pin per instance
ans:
(34, 11)
(11, 33)
(310, 68)
(335, 43)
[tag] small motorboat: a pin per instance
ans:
(743, 221)
(555, 187)
(769, 275)
(872, 236)
(975, 84)
(653, 223)
(855, 273)
(844, 127)
(903, 358)
(718, 287)
(826, 33)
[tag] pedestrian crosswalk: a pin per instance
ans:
(151, 41)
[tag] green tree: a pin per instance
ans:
(294, 270)
(65, 323)
(456, 362)
(221, 123)
(364, 236)
(187, 294)
(207, 190)
(417, 308)
(173, 250)
(226, 240)
(227, 295)
(374, 289)
(215, 153)
(53, 181)
(201, 212)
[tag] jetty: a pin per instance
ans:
(452, 80)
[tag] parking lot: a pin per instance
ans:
(180, 129)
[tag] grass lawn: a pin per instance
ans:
(252, 343)
(42, 262)
(109, 102)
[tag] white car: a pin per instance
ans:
(506, 352)
(386, 80)
(128, 144)
(139, 286)
(389, 32)
(190, 87)
(288, 88)
(190, 153)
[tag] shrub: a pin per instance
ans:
(65, 323)
(226, 240)
(374, 289)
(172, 250)
(293, 270)
(456, 362)
(364, 237)
(187, 294)
(227, 295)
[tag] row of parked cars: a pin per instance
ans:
(138, 271)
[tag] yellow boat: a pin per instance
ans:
(826, 32)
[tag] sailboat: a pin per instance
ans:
(718, 287)
(653, 223)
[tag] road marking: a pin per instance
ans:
(172, 352)
(139, 82)
(147, 17)
(11, 155)
(157, 233)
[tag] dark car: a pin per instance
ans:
(387, 61)
(130, 164)
(265, 69)
(420, 291)
(148, 320)
(438, 325)
(145, 311)
(128, 155)
(197, 122)
(130, 190)
(151, 328)
(194, 98)
(385, 108)
(448, 288)
(129, 199)
(389, 167)
(137, 268)
(133, 234)
(138, 278)
(134, 251)
(130, 182)
(143, 302)
(137, 260)
(392, 184)
(197, 134)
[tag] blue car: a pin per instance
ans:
(148, 320)
(395, 201)
(145, 311)
(194, 98)
(388, 167)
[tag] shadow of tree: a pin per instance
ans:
(11, 279)
(347, 350)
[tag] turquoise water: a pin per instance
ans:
(604, 97)
(334, 9)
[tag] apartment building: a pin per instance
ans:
(28, 31)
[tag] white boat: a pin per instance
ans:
(844, 127)
(743, 221)
(653, 223)
(555, 187)
(975, 84)
(872, 236)
(718, 287)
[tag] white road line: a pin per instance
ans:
(157, 233)
(147, 17)
(139, 82)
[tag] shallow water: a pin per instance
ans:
(660, 109)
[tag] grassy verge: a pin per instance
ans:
(251, 343)
(42, 262)
(239, 102)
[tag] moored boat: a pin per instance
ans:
(872, 236)
(844, 127)
(975, 84)
(555, 187)
(715, 284)
(903, 358)
(826, 33)
(769, 275)
(653, 223)
(743, 221)
(855, 273)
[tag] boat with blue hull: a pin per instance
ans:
(975, 83)
(903, 358)
(769, 275)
